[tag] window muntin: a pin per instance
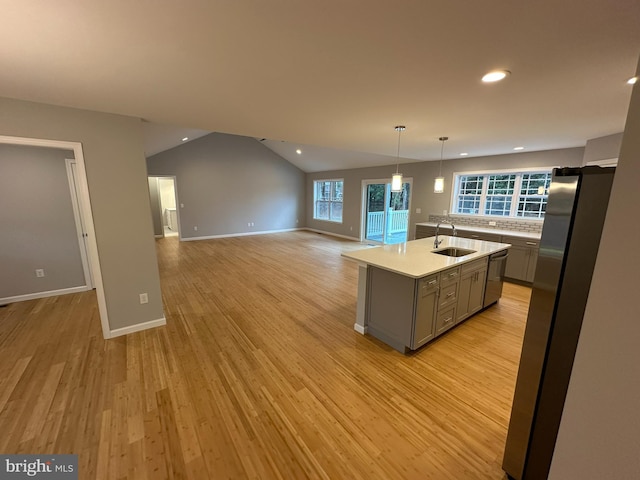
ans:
(469, 194)
(328, 200)
(532, 201)
(502, 194)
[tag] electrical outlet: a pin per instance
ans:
(144, 298)
(182, 205)
(492, 224)
(39, 273)
(195, 228)
(418, 210)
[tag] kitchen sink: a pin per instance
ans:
(453, 252)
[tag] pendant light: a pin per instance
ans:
(438, 186)
(396, 178)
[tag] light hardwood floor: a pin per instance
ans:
(258, 374)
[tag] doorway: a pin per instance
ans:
(385, 214)
(84, 206)
(164, 201)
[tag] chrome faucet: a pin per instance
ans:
(437, 242)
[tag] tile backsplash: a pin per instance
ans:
(532, 226)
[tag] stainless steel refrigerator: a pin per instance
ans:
(575, 213)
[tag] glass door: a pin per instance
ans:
(385, 213)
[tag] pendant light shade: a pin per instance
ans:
(396, 182)
(396, 178)
(438, 184)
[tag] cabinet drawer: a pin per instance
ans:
(445, 320)
(487, 237)
(428, 284)
(448, 295)
(449, 276)
(521, 242)
(475, 265)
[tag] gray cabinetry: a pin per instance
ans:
(426, 307)
(424, 231)
(401, 310)
(473, 278)
(485, 236)
(523, 256)
(406, 313)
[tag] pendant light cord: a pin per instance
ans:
(442, 139)
(399, 128)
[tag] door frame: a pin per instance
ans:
(85, 207)
(175, 194)
(363, 206)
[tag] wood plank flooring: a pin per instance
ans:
(257, 375)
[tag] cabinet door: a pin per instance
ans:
(517, 263)
(476, 292)
(426, 304)
(462, 307)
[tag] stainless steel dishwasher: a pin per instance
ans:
(495, 272)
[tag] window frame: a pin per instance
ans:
(515, 196)
(331, 200)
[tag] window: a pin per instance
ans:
(327, 199)
(503, 194)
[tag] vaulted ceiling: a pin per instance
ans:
(335, 75)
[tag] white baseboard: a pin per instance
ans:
(118, 332)
(49, 293)
(359, 328)
(244, 234)
(331, 233)
(159, 236)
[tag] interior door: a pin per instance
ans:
(385, 213)
(76, 200)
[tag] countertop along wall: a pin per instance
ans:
(423, 174)
(114, 156)
(226, 182)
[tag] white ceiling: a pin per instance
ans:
(336, 74)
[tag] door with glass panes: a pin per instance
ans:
(385, 213)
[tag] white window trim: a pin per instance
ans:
(314, 200)
(499, 171)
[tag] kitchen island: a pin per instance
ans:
(410, 293)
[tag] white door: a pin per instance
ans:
(76, 200)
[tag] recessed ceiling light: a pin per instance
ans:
(632, 80)
(464, 154)
(299, 152)
(495, 76)
(518, 148)
(185, 139)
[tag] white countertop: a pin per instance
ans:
(472, 228)
(415, 258)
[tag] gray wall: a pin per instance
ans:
(227, 181)
(113, 152)
(602, 148)
(38, 226)
(423, 174)
(599, 433)
(156, 211)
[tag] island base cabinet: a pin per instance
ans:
(391, 304)
(406, 313)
